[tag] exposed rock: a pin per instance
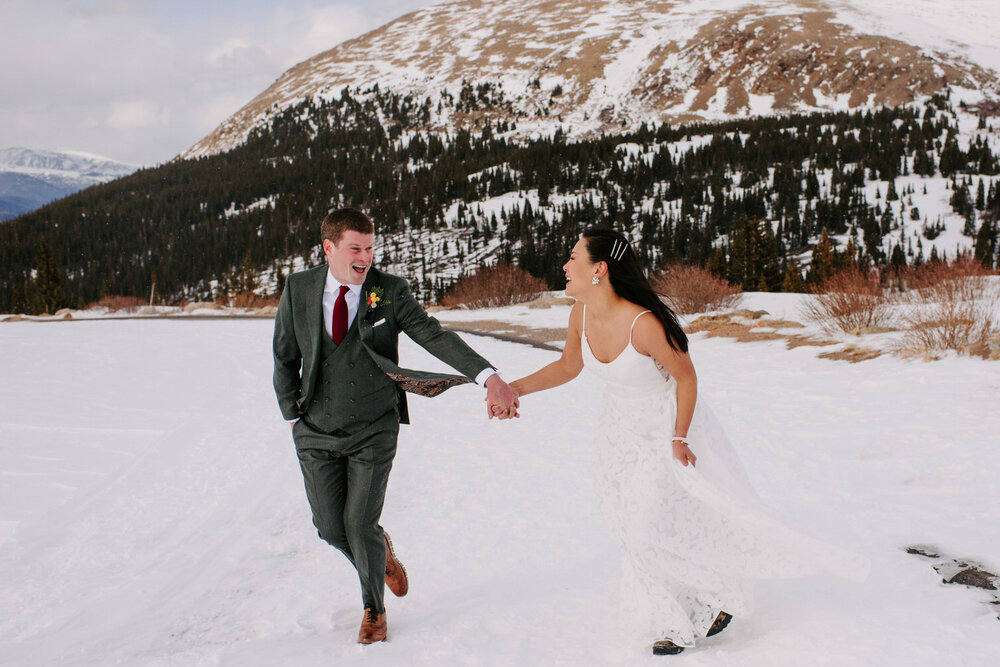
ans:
(201, 305)
(750, 314)
(959, 571)
(852, 353)
(973, 576)
(549, 301)
(922, 550)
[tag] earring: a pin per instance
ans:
(595, 280)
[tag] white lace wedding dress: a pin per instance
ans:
(694, 538)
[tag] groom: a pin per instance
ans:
(337, 380)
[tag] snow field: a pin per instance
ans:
(152, 511)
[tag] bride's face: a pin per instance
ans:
(580, 271)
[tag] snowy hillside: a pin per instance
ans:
(152, 510)
(594, 66)
(32, 178)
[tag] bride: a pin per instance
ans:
(694, 534)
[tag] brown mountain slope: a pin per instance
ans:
(596, 66)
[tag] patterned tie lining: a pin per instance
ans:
(425, 387)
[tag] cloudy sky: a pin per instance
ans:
(141, 80)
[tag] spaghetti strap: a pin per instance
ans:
(633, 323)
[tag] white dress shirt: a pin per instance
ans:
(330, 294)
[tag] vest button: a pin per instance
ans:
(327, 415)
(327, 399)
(352, 416)
(351, 383)
(352, 400)
(350, 365)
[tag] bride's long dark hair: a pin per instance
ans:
(628, 280)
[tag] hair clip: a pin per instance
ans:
(618, 249)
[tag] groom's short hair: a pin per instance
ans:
(343, 220)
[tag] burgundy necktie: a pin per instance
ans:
(340, 316)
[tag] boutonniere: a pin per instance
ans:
(375, 298)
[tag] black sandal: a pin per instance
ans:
(721, 621)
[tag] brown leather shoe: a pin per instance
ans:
(395, 573)
(666, 647)
(373, 627)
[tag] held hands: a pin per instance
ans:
(501, 399)
(682, 452)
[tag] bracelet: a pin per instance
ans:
(684, 439)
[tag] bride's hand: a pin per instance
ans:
(683, 453)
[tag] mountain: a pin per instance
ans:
(456, 178)
(596, 67)
(30, 179)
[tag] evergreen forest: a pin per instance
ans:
(751, 199)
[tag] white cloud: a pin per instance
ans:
(137, 113)
(141, 81)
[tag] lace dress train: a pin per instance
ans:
(694, 538)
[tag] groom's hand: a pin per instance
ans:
(501, 400)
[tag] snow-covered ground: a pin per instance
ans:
(152, 511)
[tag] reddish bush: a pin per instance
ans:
(850, 301)
(691, 289)
(250, 299)
(493, 286)
(948, 306)
(114, 303)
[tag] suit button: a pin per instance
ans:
(327, 382)
(352, 400)
(350, 365)
(327, 399)
(352, 416)
(325, 364)
(327, 415)
(351, 383)
(315, 401)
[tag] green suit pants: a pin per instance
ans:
(346, 492)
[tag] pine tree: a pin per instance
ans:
(279, 281)
(897, 259)
(792, 281)
(247, 281)
(986, 243)
(48, 290)
(821, 265)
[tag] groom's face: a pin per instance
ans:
(351, 257)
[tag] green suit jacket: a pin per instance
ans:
(299, 325)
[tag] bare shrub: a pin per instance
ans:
(850, 301)
(250, 299)
(691, 289)
(948, 306)
(115, 302)
(493, 286)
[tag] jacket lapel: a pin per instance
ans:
(314, 309)
(370, 281)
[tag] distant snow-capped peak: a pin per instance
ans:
(84, 167)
